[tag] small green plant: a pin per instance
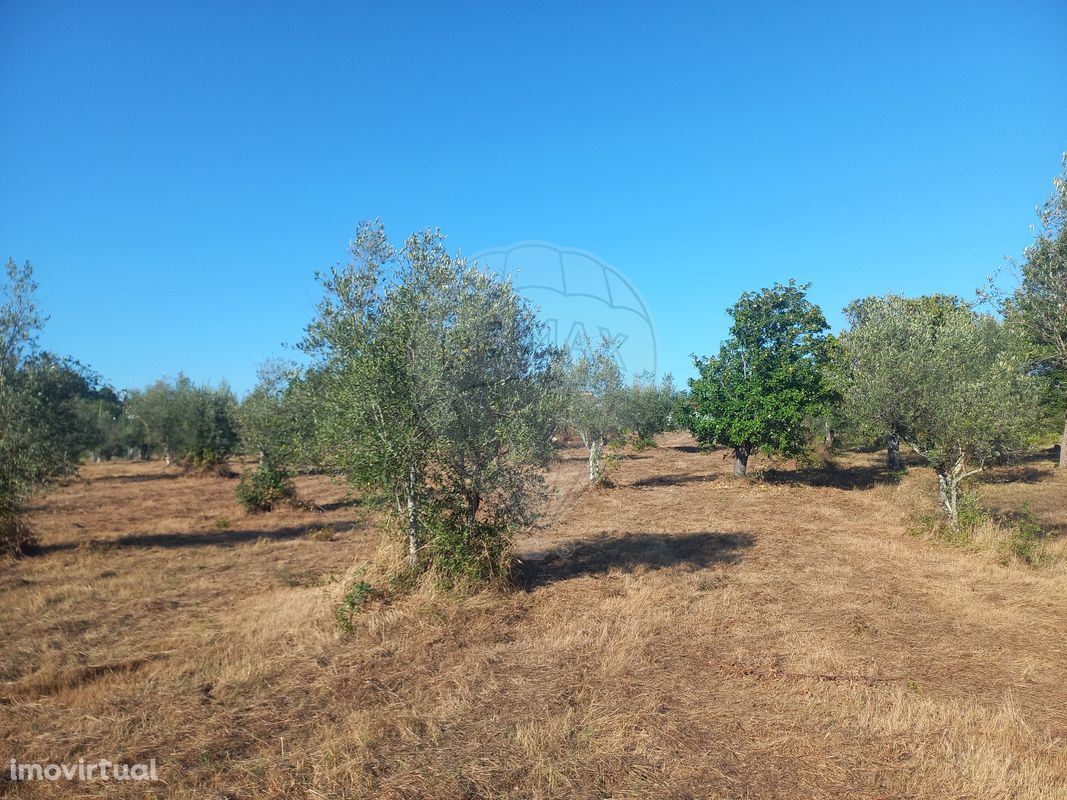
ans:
(609, 466)
(16, 536)
(352, 603)
(970, 514)
(222, 523)
(462, 558)
(1026, 540)
(641, 442)
(322, 533)
(265, 488)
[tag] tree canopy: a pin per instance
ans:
(1038, 307)
(767, 378)
(950, 381)
(42, 432)
(435, 392)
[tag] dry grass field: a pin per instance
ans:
(681, 635)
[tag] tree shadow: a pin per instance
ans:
(336, 505)
(1012, 517)
(672, 480)
(1014, 474)
(1049, 456)
(161, 476)
(574, 558)
(686, 448)
(845, 478)
(192, 539)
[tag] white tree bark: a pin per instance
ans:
(948, 486)
(413, 520)
(595, 446)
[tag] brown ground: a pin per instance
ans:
(681, 635)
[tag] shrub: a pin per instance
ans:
(471, 556)
(264, 489)
(1026, 539)
(16, 536)
(1012, 538)
(352, 603)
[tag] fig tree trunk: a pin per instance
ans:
(740, 462)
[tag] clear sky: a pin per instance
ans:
(176, 172)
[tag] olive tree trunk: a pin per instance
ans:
(595, 446)
(1063, 446)
(413, 519)
(740, 461)
(948, 497)
(892, 448)
(948, 488)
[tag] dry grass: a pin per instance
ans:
(680, 635)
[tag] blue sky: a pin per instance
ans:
(177, 172)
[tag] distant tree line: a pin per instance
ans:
(427, 386)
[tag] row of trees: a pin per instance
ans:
(961, 386)
(952, 382)
(428, 386)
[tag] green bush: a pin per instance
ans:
(16, 536)
(265, 488)
(352, 603)
(1026, 540)
(471, 556)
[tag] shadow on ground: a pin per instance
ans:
(574, 558)
(1018, 474)
(686, 448)
(672, 480)
(847, 478)
(228, 538)
(159, 476)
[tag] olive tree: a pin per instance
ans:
(874, 360)
(1038, 307)
(276, 418)
(193, 426)
(953, 382)
(434, 392)
(277, 425)
(594, 398)
(767, 379)
(41, 430)
(646, 407)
